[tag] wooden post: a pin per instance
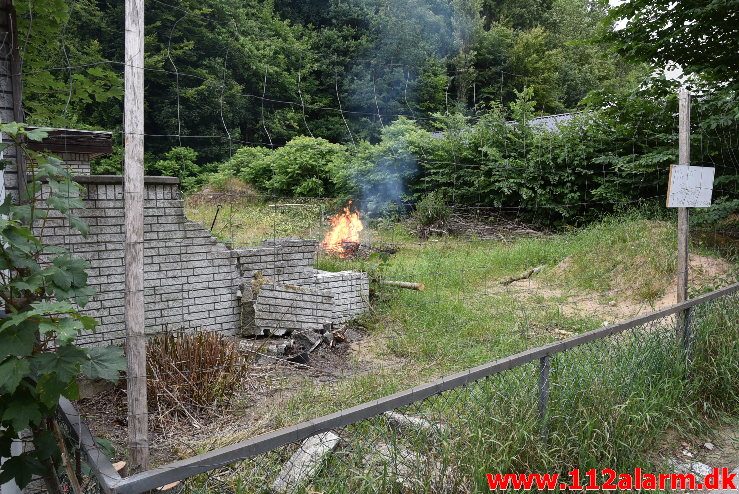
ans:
(133, 187)
(682, 213)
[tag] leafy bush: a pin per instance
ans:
(250, 164)
(613, 154)
(109, 165)
(42, 289)
(306, 166)
(192, 372)
(178, 162)
(431, 210)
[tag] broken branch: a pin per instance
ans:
(523, 276)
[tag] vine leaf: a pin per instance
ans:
(22, 412)
(17, 341)
(104, 363)
(12, 373)
(21, 468)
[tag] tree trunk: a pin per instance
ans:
(49, 476)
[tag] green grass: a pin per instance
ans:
(249, 222)
(610, 403)
(623, 254)
(607, 407)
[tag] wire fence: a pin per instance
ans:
(470, 312)
(583, 402)
(579, 400)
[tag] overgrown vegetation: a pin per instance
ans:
(188, 373)
(342, 99)
(42, 289)
(612, 156)
(492, 426)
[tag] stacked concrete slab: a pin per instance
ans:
(283, 292)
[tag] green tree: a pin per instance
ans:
(67, 80)
(700, 36)
(534, 58)
(518, 14)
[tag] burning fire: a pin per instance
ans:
(343, 238)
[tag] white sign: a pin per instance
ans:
(690, 186)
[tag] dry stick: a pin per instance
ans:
(195, 423)
(523, 276)
(404, 284)
(76, 487)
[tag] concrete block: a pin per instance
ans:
(305, 462)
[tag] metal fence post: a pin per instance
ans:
(686, 318)
(544, 369)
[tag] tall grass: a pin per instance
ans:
(610, 403)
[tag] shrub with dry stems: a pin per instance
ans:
(193, 372)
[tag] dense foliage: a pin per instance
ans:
(385, 100)
(613, 155)
(233, 72)
(42, 289)
(699, 37)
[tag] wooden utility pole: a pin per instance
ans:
(133, 188)
(682, 213)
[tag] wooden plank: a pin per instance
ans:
(133, 197)
(263, 443)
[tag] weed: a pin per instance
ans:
(191, 372)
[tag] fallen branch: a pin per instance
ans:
(523, 276)
(404, 284)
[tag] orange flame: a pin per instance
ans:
(343, 238)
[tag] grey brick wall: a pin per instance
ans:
(190, 281)
(76, 163)
(10, 176)
(349, 290)
(281, 260)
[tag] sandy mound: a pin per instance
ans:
(618, 304)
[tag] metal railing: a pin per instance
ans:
(441, 435)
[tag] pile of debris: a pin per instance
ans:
(298, 347)
(481, 224)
